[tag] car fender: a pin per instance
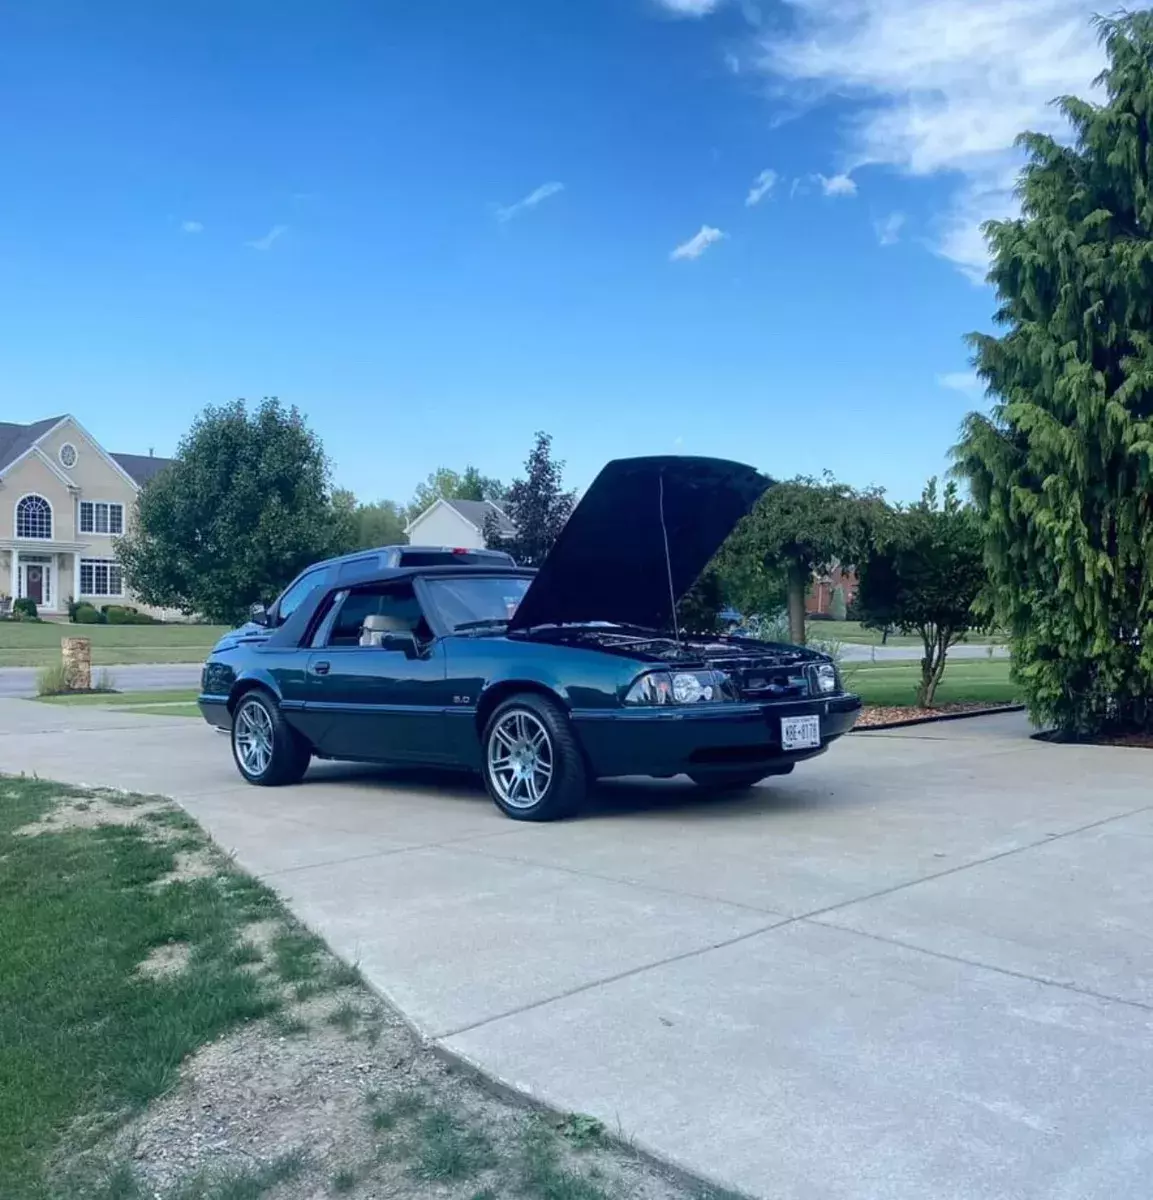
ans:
(247, 680)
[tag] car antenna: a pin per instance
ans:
(669, 563)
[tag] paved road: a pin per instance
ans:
(143, 677)
(852, 652)
(920, 966)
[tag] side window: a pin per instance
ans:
(291, 599)
(398, 602)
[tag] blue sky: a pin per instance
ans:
(439, 227)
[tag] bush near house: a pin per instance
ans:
(87, 614)
(24, 609)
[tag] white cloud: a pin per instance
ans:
(690, 8)
(191, 227)
(535, 197)
(265, 243)
(961, 381)
(837, 185)
(888, 229)
(762, 186)
(697, 244)
(943, 86)
(732, 62)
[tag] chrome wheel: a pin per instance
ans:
(520, 759)
(252, 737)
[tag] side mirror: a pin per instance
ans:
(403, 642)
(258, 615)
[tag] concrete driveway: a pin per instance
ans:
(920, 967)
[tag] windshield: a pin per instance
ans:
(463, 603)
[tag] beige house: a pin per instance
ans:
(63, 502)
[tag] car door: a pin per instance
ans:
(373, 702)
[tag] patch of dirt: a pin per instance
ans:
(90, 812)
(170, 959)
(250, 1099)
(876, 715)
(191, 864)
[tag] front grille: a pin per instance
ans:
(768, 679)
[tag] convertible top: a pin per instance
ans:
(357, 574)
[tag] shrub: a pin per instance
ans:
(837, 607)
(121, 614)
(87, 614)
(53, 680)
(25, 609)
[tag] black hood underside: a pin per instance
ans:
(638, 540)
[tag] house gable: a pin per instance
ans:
(441, 525)
(35, 475)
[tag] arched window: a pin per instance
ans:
(33, 517)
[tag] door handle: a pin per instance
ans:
(320, 668)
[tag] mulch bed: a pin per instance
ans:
(876, 716)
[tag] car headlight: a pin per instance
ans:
(825, 679)
(681, 687)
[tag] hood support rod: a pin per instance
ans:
(669, 564)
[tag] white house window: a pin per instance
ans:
(101, 577)
(98, 517)
(68, 455)
(33, 517)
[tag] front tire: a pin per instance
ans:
(533, 767)
(267, 750)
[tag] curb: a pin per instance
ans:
(954, 716)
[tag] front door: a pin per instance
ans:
(372, 703)
(37, 583)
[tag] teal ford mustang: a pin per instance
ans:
(540, 680)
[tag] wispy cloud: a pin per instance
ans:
(191, 227)
(732, 63)
(535, 197)
(273, 235)
(837, 185)
(690, 8)
(943, 86)
(697, 244)
(960, 381)
(888, 229)
(762, 186)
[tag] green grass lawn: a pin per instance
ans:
(966, 680)
(122, 699)
(37, 644)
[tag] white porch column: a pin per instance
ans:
(75, 576)
(17, 590)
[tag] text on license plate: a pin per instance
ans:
(800, 733)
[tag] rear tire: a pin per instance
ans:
(533, 767)
(266, 749)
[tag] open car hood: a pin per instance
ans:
(609, 562)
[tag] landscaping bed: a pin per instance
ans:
(874, 716)
(178, 1036)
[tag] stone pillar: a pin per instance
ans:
(77, 655)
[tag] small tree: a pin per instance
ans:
(801, 526)
(363, 526)
(838, 609)
(923, 576)
(537, 505)
(242, 508)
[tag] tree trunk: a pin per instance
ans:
(798, 583)
(932, 668)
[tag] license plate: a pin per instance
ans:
(800, 733)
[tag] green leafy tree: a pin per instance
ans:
(537, 505)
(924, 575)
(242, 508)
(1062, 465)
(363, 526)
(699, 609)
(798, 527)
(447, 484)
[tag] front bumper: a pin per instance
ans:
(678, 739)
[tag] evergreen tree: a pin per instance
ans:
(537, 505)
(1062, 467)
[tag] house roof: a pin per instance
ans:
(142, 467)
(476, 512)
(15, 440)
